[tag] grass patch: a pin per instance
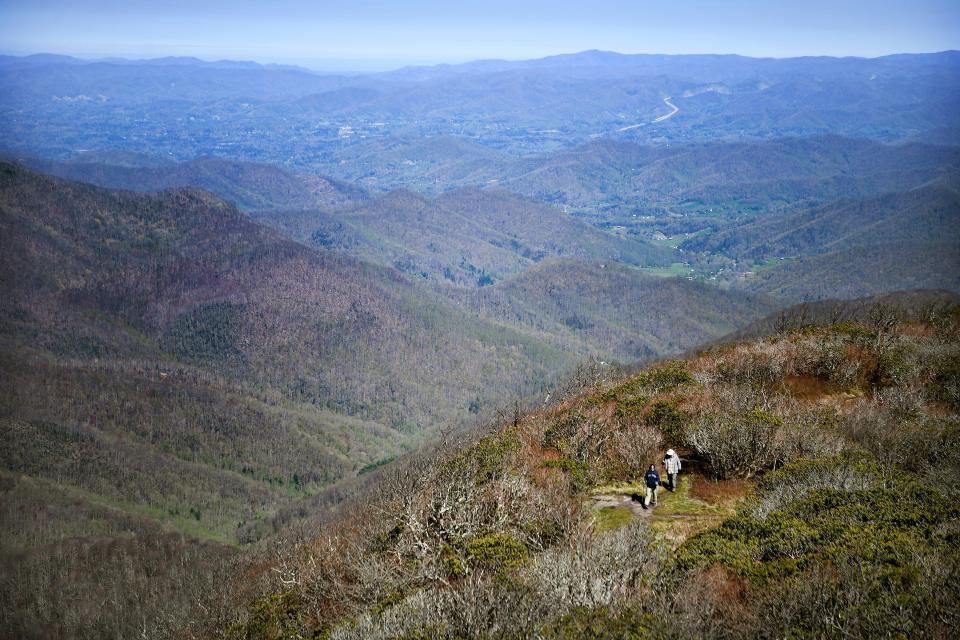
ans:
(682, 502)
(185, 523)
(677, 269)
(611, 518)
(619, 488)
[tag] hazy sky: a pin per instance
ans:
(381, 33)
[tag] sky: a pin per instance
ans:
(381, 34)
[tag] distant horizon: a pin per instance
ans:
(360, 65)
(377, 35)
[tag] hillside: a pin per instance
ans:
(918, 306)
(615, 312)
(215, 335)
(466, 237)
(251, 186)
(609, 173)
(818, 496)
(929, 214)
(861, 271)
(731, 175)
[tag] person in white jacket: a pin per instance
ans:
(671, 464)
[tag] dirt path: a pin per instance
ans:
(615, 500)
(678, 514)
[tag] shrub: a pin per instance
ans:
(631, 407)
(601, 623)
(579, 473)
(652, 381)
(875, 526)
(562, 430)
(497, 552)
(487, 457)
(594, 570)
(629, 452)
(670, 420)
(577, 436)
(737, 444)
(849, 471)
(275, 617)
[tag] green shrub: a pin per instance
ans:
(665, 377)
(278, 616)
(390, 600)
(497, 552)
(631, 407)
(670, 420)
(579, 472)
(601, 623)
(452, 562)
(486, 457)
(561, 431)
(874, 525)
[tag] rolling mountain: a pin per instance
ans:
(861, 271)
(615, 312)
(730, 176)
(251, 186)
(267, 335)
(927, 214)
(468, 237)
(173, 326)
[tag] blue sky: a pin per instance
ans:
(380, 33)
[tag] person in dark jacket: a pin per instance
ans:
(652, 480)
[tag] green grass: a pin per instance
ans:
(681, 503)
(674, 270)
(619, 488)
(670, 243)
(185, 524)
(611, 518)
(766, 265)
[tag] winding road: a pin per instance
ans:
(675, 108)
(667, 102)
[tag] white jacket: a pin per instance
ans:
(672, 463)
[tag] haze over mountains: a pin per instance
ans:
(232, 289)
(184, 108)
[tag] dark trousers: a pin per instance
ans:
(672, 481)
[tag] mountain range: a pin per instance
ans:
(51, 106)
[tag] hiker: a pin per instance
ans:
(652, 480)
(671, 464)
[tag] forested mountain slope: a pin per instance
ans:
(621, 312)
(758, 173)
(249, 185)
(196, 336)
(927, 214)
(466, 237)
(818, 495)
(862, 271)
